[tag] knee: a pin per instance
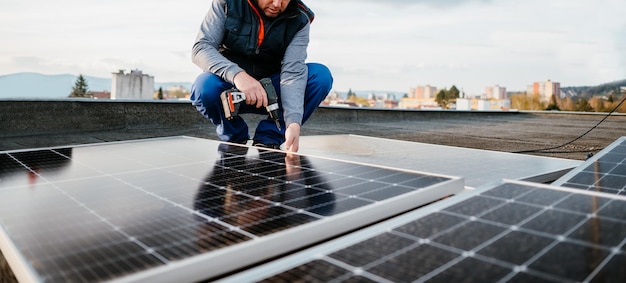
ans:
(206, 87)
(320, 74)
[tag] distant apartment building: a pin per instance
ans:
(423, 92)
(483, 104)
(333, 96)
(420, 97)
(335, 99)
(415, 103)
(381, 96)
(176, 88)
(552, 88)
(495, 92)
(387, 104)
(545, 90)
(134, 85)
(493, 99)
(176, 92)
(382, 100)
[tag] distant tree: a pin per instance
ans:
(160, 93)
(522, 101)
(599, 104)
(453, 93)
(536, 103)
(362, 101)
(553, 104)
(517, 101)
(568, 104)
(359, 101)
(583, 105)
(442, 98)
(446, 97)
(611, 98)
(80, 88)
(351, 95)
(406, 95)
(621, 109)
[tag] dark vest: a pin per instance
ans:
(242, 31)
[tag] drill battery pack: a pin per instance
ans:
(231, 100)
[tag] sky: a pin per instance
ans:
(389, 45)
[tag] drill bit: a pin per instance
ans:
(272, 100)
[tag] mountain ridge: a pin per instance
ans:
(36, 85)
(604, 89)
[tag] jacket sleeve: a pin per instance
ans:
(294, 76)
(205, 52)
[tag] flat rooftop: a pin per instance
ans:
(33, 124)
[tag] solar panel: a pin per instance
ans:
(509, 232)
(185, 209)
(476, 167)
(604, 172)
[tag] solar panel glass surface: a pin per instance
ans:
(512, 232)
(171, 208)
(604, 172)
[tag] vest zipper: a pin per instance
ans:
(261, 31)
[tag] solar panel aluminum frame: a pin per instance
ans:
(278, 266)
(23, 272)
(226, 260)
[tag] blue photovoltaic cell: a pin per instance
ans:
(511, 232)
(162, 209)
(604, 172)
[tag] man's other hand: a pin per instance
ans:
(292, 137)
(254, 91)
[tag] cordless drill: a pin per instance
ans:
(232, 99)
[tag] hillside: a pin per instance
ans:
(34, 85)
(591, 91)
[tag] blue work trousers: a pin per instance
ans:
(205, 96)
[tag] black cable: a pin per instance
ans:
(547, 150)
(570, 151)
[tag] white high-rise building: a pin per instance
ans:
(425, 92)
(552, 88)
(545, 90)
(495, 92)
(134, 85)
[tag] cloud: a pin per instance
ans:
(28, 61)
(389, 45)
(404, 3)
(620, 46)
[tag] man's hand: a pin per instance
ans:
(254, 91)
(292, 137)
(292, 167)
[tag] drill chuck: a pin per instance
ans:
(272, 100)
